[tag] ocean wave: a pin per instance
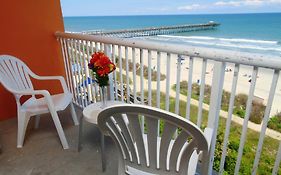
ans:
(239, 40)
(233, 43)
(237, 46)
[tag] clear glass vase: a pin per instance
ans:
(103, 96)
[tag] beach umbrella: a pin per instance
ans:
(87, 81)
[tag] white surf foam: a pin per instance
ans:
(232, 43)
(222, 39)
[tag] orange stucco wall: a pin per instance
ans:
(27, 32)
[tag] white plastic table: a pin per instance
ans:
(90, 114)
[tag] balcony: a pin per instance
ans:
(189, 81)
(166, 75)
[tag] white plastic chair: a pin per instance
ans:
(149, 153)
(15, 77)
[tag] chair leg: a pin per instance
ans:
(121, 166)
(59, 129)
(103, 161)
(23, 120)
(73, 114)
(37, 121)
(80, 134)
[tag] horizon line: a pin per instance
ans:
(177, 14)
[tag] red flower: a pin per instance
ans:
(103, 72)
(101, 65)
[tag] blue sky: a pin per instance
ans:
(153, 7)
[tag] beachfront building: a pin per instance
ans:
(200, 84)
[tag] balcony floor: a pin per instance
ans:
(42, 153)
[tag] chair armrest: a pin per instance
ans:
(45, 94)
(60, 78)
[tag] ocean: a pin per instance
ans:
(257, 33)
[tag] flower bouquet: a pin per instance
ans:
(101, 66)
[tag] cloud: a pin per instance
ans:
(229, 3)
(191, 7)
(247, 3)
(274, 1)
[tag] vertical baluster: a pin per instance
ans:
(158, 78)
(149, 78)
(215, 106)
(81, 84)
(91, 47)
(127, 75)
(102, 47)
(66, 68)
(202, 88)
(94, 87)
(158, 86)
(73, 76)
(114, 73)
(134, 73)
(229, 118)
(82, 68)
(265, 119)
(246, 119)
(86, 84)
(108, 52)
(141, 75)
(168, 82)
(88, 75)
(142, 93)
(120, 72)
(277, 161)
(178, 85)
(187, 113)
(68, 65)
(77, 73)
(96, 47)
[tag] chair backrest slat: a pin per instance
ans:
(24, 77)
(15, 71)
(122, 124)
(156, 154)
(134, 126)
(28, 80)
(7, 75)
(120, 138)
(176, 149)
(14, 74)
(152, 132)
(185, 157)
(167, 136)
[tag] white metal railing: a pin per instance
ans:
(144, 59)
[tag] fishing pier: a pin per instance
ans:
(130, 33)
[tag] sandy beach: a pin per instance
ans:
(262, 85)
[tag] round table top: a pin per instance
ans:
(92, 111)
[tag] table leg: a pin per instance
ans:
(80, 134)
(103, 162)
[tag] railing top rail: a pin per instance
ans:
(222, 55)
